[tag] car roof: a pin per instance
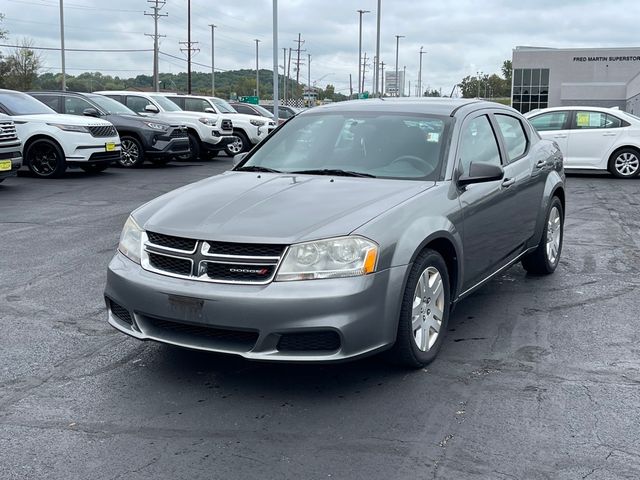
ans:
(574, 108)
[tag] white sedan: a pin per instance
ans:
(592, 138)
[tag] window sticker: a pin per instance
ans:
(583, 119)
(433, 137)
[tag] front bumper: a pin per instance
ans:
(16, 163)
(220, 143)
(361, 311)
(164, 147)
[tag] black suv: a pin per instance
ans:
(142, 138)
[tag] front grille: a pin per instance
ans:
(245, 249)
(179, 133)
(177, 243)
(237, 338)
(8, 132)
(103, 131)
(328, 341)
(209, 261)
(234, 272)
(105, 156)
(177, 266)
(120, 312)
(227, 124)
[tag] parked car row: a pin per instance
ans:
(51, 131)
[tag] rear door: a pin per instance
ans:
(593, 134)
(138, 104)
(51, 101)
(76, 105)
(555, 126)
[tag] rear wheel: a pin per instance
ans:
(425, 312)
(545, 258)
(131, 154)
(625, 163)
(45, 159)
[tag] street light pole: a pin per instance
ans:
(276, 82)
(361, 12)
(213, 61)
(257, 70)
(377, 66)
(404, 78)
(420, 73)
(64, 75)
(398, 37)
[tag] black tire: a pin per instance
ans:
(194, 145)
(131, 153)
(625, 163)
(241, 144)
(95, 168)
(541, 261)
(2, 180)
(405, 351)
(45, 159)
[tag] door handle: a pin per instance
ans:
(610, 134)
(541, 163)
(559, 136)
(507, 182)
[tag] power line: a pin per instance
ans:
(157, 5)
(94, 50)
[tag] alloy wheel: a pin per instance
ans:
(428, 309)
(130, 153)
(236, 147)
(554, 232)
(44, 160)
(627, 164)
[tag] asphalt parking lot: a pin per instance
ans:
(539, 377)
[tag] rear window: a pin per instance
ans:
(549, 121)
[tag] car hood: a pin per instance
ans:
(61, 118)
(273, 208)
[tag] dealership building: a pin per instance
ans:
(553, 77)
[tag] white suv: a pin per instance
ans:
(249, 129)
(207, 133)
(51, 142)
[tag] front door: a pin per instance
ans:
(555, 126)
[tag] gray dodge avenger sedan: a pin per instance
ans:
(354, 228)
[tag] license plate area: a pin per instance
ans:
(109, 147)
(5, 165)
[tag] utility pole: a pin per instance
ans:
(478, 82)
(364, 69)
(404, 78)
(190, 49)
(398, 37)
(350, 88)
(284, 76)
(156, 6)
(420, 73)
(382, 76)
(64, 74)
(289, 72)
(377, 67)
(213, 60)
(309, 77)
(360, 87)
(409, 89)
(298, 62)
(257, 70)
(276, 82)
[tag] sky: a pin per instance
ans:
(461, 37)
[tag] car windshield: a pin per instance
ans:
(223, 106)
(16, 103)
(110, 106)
(388, 145)
(166, 104)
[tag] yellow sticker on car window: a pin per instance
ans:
(582, 119)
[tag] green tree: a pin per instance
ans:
(507, 71)
(22, 67)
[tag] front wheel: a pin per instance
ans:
(424, 314)
(545, 258)
(625, 163)
(239, 145)
(45, 159)
(131, 154)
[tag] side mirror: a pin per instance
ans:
(481, 173)
(91, 112)
(209, 110)
(239, 157)
(151, 109)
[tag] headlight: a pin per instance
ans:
(331, 258)
(70, 128)
(131, 240)
(257, 123)
(207, 121)
(157, 126)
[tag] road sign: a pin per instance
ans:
(363, 96)
(252, 99)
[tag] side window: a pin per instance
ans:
(137, 104)
(587, 120)
(195, 105)
(50, 101)
(75, 106)
(613, 122)
(244, 109)
(478, 144)
(549, 121)
(117, 98)
(178, 101)
(513, 134)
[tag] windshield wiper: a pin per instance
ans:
(256, 168)
(335, 171)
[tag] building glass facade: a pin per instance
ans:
(530, 89)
